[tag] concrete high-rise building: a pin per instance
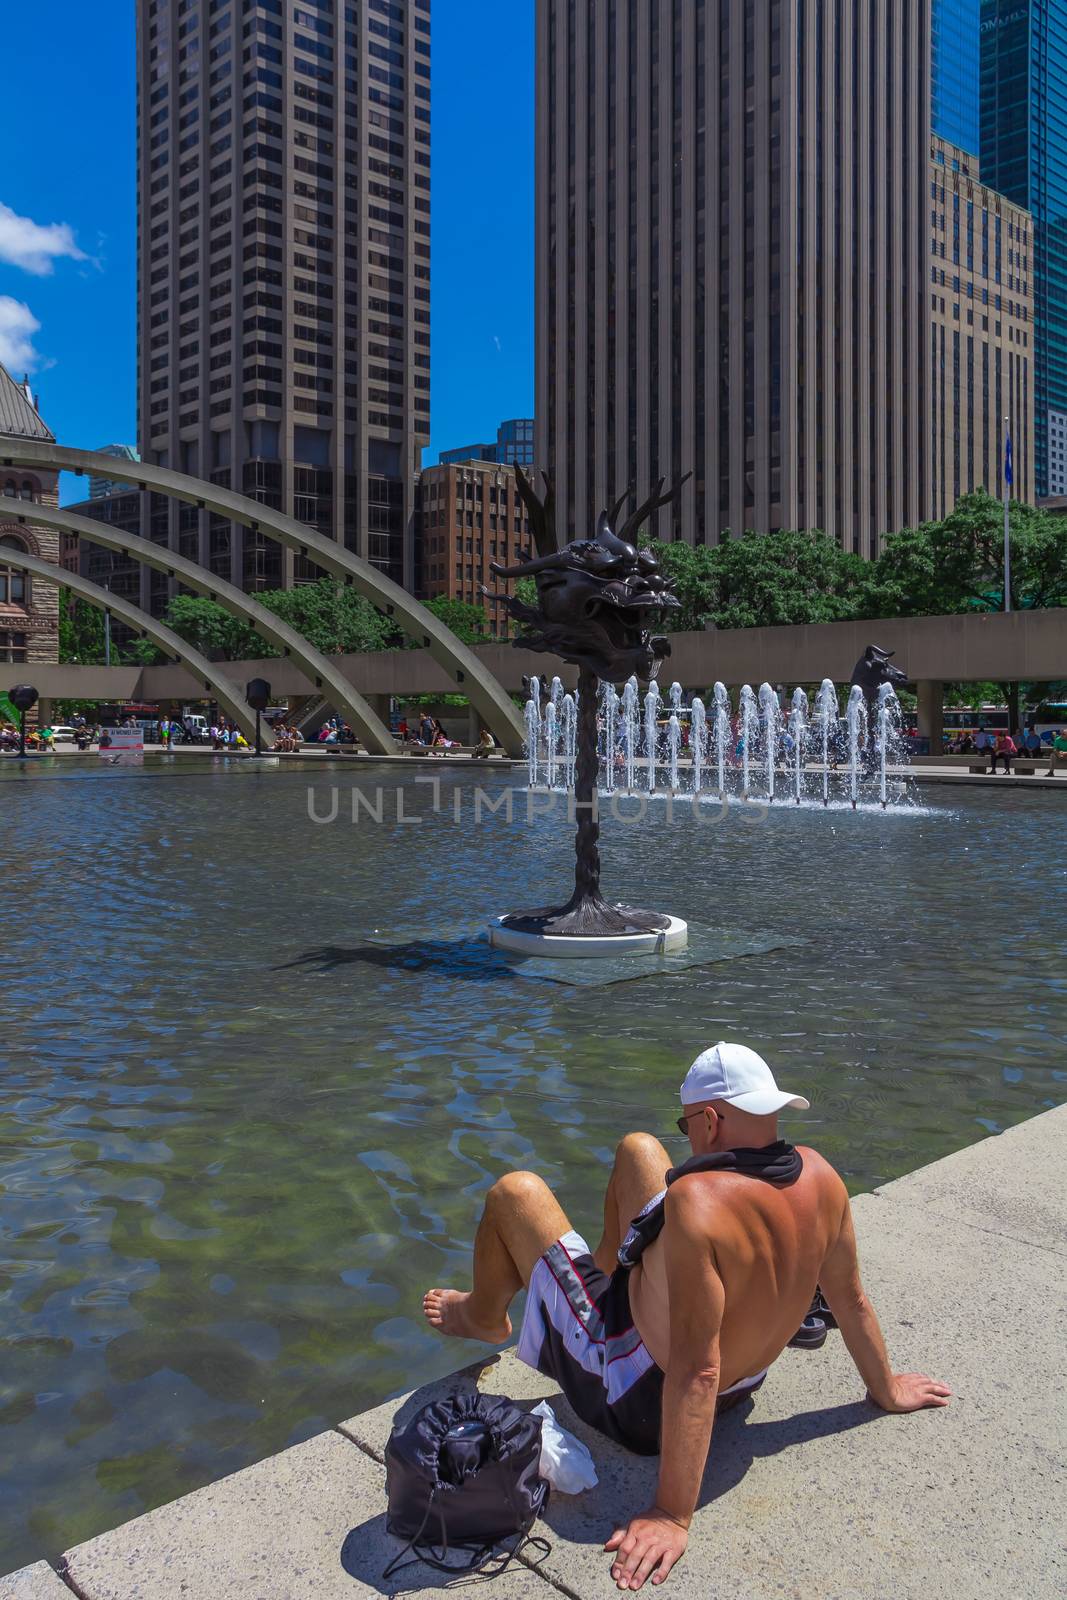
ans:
(954, 68)
(1024, 155)
(514, 446)
(284, 272)
(981, 337)
(99, 486)
(732, 261)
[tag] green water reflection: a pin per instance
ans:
(239, 1133)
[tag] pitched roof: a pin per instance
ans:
(18, 414)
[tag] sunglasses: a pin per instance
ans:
(682, 1123)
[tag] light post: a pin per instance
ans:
(23, 697)
(257, 693)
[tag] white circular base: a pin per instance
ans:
(673, 937)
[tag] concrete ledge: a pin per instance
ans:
(308, 1524)
(810, 1491)
(38, 1582)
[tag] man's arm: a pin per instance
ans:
(839, 1280)
(654, 1541)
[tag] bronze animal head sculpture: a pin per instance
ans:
(597, 599)
(874, 668)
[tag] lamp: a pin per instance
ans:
(257, 693)
(23, 697)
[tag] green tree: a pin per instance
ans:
(213, 630)
(942, 568)
(764, 580)
(467, 621)
(332, 616)
(81, 631)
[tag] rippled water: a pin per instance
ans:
(257, 1078)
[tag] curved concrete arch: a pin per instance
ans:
(225, 692)
(467, 673)
(324, 675)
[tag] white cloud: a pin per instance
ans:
(496, 341)
(33, 247)
(17, 328)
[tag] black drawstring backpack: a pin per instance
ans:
(464, 1474)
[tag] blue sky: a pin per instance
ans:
(67, 130)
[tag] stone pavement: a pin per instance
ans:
(810, 1493)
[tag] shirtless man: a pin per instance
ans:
(681, 1313)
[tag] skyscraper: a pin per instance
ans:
(954, 67)
(284, 272)
(1024, 155)
(732, 261)
(981, 337)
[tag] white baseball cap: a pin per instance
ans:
(734, 1072)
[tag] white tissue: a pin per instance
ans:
(565, 1461)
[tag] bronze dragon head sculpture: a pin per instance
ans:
(597, 599)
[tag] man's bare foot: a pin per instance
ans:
(446, 1310)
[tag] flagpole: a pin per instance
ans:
(1008, 476)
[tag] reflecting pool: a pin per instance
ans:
(258, 1071)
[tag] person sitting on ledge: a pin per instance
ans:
(678, 1313)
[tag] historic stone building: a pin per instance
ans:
(29, 608)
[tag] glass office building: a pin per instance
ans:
(1023, 99)
(954, 69)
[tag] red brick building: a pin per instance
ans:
(471, 514)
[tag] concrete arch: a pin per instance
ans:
(467, 673)
(226, 693)
(364, 721)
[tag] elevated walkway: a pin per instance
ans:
(809, 1492)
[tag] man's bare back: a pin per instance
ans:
(769, 1246)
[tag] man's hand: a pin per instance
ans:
(911, 1391)
(652, 1543)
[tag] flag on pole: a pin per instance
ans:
(1008, 476)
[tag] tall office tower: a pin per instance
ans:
(954, 65)
(732, 260)
(981, 337)
(1024, 155)
(284, 272)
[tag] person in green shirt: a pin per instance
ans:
(1057, 751)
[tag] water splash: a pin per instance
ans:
(826, 725)
(551, 744)
(749, 724)
(674, 745)
(798, 732)
(652, 705)
(611, 716)
(698, 741)
(771, 717)
(629, 731)
(533, 735)
(569, 732)
(856, 722)
(720, 729)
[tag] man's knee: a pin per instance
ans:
(636, 1148)
(518, 1191)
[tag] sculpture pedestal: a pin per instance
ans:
(567, 947)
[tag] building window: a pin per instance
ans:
(12, 647)
(12, 580)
